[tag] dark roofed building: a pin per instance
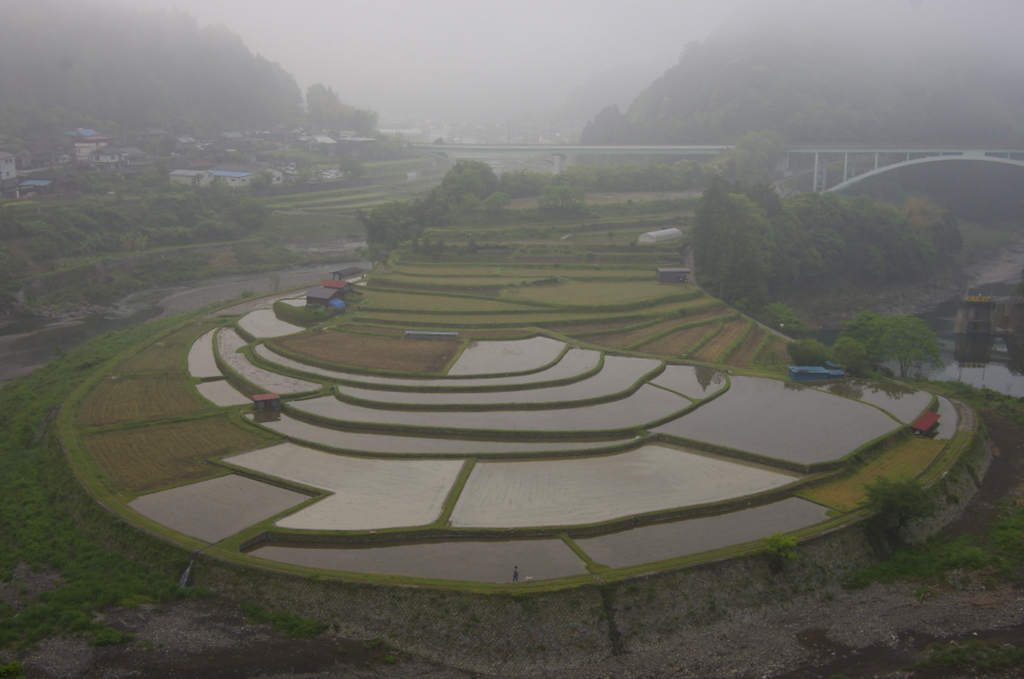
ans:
(321, 296)
(673, 274)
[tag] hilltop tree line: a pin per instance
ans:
(810, 90)
(471, 188)
(67, 64)
(750, 245)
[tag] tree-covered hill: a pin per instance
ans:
(812, 90)
(79, 63)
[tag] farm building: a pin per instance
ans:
(812, 373)
(673, 274)
(264, 402)
(347, 272)
(326, 297)
(923, 425)
(660, 236)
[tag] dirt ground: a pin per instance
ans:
(875, 632)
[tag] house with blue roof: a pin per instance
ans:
(814, 373)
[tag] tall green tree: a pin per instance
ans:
(904, 338)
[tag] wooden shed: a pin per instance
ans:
(264, 402)
(673, 274)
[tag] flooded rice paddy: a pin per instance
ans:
(575, 363)
(228, 344)
(696, 382)
(201, 362)
(904, 403)
(264, 323)
(948, 419)
(390, 444)
(780, 420)
(681, 538)
(647, 404)
(596, 489)
(490, 561)
(221, 393)
(365, 493)
(618, 374)
(215, 509)
(482, 357)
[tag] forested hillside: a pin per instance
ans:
(77, 63)
(812, 90)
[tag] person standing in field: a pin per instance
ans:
(515, 573)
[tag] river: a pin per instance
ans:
(30, 343)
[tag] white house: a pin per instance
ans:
(8, 170)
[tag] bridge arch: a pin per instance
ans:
(929, 159)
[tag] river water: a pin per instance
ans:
(30, 343)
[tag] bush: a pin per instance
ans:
(807, 352)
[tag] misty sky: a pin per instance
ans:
(457, 60)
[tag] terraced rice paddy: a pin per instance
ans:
(729, 333)
(782, 421)
(216, 509)
(201, 361)
(947, 421)
(157, 358)
(744, 355)
(375, 352)
(679, 343)
(147, 458)
(696, 382)
(647, 404)
(904, 403)
(575, 363)
(489, 561)
(621, 340)
(221, 393)
(682, 538)
(593, 490)
(365, 494)
(513, 356)
(228, 344)
(390, 444)
(264, 323)
(395, 301)
(618, 375)
(593, 293)
(122, 399)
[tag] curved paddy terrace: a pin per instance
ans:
(447, 461)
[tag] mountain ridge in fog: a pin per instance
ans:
(824, 87)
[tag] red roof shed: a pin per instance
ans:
(925, 422)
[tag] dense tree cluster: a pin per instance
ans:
(325, 110)
(813, 90)
(67, 64)
(750, 244)
(472, 186)
(177, 215)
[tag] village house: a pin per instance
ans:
(8, 175)
(191, 177)
(83, 141)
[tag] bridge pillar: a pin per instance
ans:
(820, 172)
(559, 162)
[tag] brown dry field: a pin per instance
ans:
(376, 352)
(621, 340)
(134, 399)
(581, 329)
(147, 458)
(744, 356)
(678, 343)
(710, 352)
(601, 198)
(158, 358)
(775, 344)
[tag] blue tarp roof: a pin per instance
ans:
(227, 173)
(336, 303)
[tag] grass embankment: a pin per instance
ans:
(907, 459)
(49, 523)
